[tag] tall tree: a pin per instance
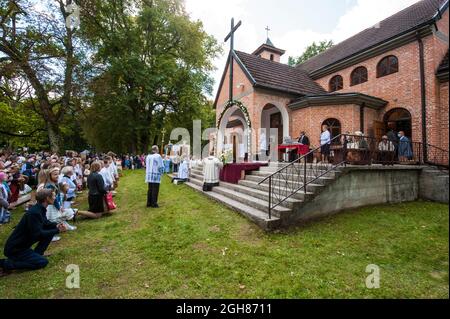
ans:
(155, 66)
(37, 48)
(310, 51)
(20, 127)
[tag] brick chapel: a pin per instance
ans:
(393, 74)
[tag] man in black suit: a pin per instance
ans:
(34, 227)
(303, 139)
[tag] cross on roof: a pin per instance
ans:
(231, 37)
(267, 29)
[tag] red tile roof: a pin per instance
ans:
(403, 21)
(277, 76)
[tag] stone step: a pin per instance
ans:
(264, 188)
(255, 198)
(259, 204)
(312, 189)
(324, 180)
(260, 194)
(197, 171)
(198, 181)
(298, 167)
(309, 172)
(261, 218)
(196, 175)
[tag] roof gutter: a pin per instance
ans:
(335, 99)
(277, 89)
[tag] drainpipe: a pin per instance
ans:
(423, 96)
(361, 117)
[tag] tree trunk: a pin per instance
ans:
(155, 140)
(145, 138)
(54, 137)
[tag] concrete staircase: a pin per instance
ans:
(251, 199)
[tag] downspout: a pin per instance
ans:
(361, 117)
(423, 96)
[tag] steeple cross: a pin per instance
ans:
(267, 30)
(231, 37)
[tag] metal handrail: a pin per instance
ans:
(371, 154)
(443, 156)
(299, 159)
(304, 182)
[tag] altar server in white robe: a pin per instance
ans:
(106, 174)
(211, 168)
(183, 171)
(154, 169)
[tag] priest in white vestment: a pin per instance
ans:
(154, 169)
(211, 170)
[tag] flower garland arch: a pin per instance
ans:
(244, 110)
(241, 106)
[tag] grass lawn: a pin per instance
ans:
(192, 247)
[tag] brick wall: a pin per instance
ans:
(437, 106)
(244, 90)
(310, 119)
(266, 55)
(402, 89)
(444, 115)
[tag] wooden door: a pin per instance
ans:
(378, 129)
(276, 121)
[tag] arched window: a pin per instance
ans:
(271, 57)
(336, 83)
(334, 126)
(358, 76)
(387, 65)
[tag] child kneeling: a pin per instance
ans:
(65, 213)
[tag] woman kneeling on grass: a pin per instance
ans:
(97, 193)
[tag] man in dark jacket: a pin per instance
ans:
(303, 139)
(34, 227)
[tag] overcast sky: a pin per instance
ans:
(294, 24)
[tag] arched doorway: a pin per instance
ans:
(234, 134)
(234, 131)
(398, 119)
(274, 120)
(334, 126)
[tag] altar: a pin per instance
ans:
(234, 172)
(300, 148)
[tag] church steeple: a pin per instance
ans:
(268, 50)
(269, 43)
